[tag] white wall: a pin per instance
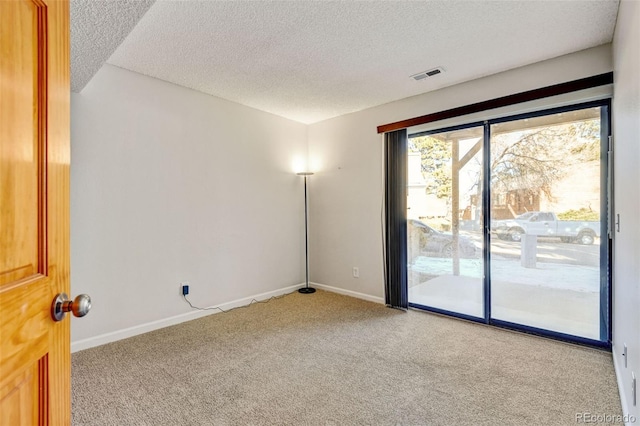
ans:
(171, 185)
(346, 201)
(626, 131)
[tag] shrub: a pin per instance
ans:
(583, 214)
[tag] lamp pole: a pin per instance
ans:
(306, 289)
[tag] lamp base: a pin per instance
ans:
(307, 290)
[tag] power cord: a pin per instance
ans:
(253, 301)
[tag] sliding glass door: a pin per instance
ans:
(507, 222)
(445, 269)
(547, 221)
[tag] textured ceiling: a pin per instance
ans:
(97, 29)
(313, 60)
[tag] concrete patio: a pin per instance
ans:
(557, 297)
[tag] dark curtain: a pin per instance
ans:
(395, 151)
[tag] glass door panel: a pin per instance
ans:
(444, 221)
(545, 185)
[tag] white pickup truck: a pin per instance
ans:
(546, 224)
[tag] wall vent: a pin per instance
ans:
(430, 73)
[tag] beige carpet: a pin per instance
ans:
(327, 359)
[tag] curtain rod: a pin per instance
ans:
(530, 95)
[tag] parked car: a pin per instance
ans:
(439, 243)
(546, 224)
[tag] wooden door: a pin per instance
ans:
(34, 211)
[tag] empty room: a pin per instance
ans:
(319, 212)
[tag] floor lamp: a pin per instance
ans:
(306, 289)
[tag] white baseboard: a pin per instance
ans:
(621, 382)
(349, 293)
(166, 322)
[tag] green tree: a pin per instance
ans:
(436, 164)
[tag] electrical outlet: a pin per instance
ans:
(356, 272)
(184, 289)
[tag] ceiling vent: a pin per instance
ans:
(430, 73)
